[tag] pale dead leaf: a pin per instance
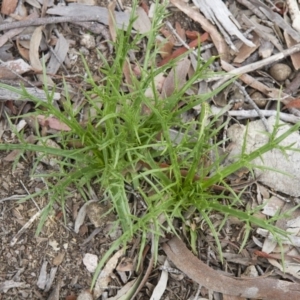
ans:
(112, 20)
(55, 292)
(34, 3)
(162, 284)
(272, 207)
(42, 280)
(23, 51)
(290, 266)
(127, 71)
(142, 24)
(81, 216)
(176, 78)
(61, 49)
(105, 276)
(13, 32)
(217, 12)
(50, 279)
(296, 56)
(127, 290)
(34, 49)
(245, 51)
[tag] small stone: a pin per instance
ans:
(88, 41)
(259, 99)
(280, 72)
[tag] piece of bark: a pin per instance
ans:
(206, 25)
(296, 56)
(253, 8)
(265, 288)
(40, 94)
(264, 32)
(266, 49)
(245, 51)
(99, 13)
(217, 12)
(276, 18)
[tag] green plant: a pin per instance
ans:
(122, 144)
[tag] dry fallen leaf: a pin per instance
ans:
(176, 78)
(52, 123)
(57, 260)
(105, 275)
(8, 6)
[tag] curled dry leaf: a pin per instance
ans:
(162, 283)
(34, 49)
(81, 215)
(105, 275)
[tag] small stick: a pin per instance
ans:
(257, 65)
(248, 98)
(49, 20)
(25, 227)
(243, 114)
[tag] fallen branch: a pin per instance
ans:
(253, 104)
(265, 288)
